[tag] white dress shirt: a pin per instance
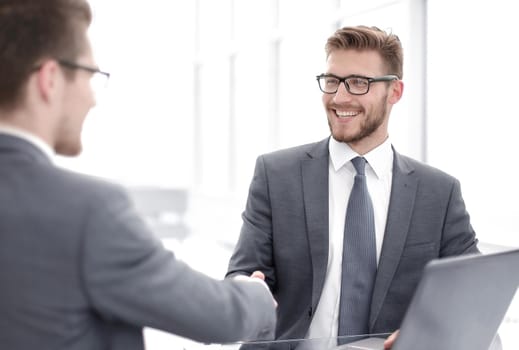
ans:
(341, 176)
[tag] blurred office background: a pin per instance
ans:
(200, 88)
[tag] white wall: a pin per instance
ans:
(472, 114)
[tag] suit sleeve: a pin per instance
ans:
(458, 235)
(130, 277)
(253, 250)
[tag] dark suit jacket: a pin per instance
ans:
(285, 234)
(80, 270)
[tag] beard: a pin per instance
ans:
(369, 125)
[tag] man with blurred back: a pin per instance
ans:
(79, 268)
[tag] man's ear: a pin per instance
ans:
(49, 77)
(397, 89)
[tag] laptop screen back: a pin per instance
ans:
(460, 302)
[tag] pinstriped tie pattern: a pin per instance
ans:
(359, 262)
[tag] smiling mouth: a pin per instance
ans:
(346, 114)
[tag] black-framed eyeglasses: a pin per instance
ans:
(355, 84)
(99, 78)
(92, 70)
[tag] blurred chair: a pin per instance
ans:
(163, 209)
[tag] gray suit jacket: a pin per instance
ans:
(80, 270)
(285, 234)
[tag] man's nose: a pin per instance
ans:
(342, 93)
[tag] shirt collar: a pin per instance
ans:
(380, 158)
(29, 137)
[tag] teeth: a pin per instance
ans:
(346, 114)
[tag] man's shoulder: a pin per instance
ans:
(304, 151)
(85, 185)
(421, 168)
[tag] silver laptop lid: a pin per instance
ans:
(460, 302)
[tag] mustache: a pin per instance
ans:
(345, 106)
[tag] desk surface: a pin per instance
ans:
(158, 340)
(369, 342)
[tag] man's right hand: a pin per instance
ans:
(390, 340)
(260, 275)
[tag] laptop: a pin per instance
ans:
(459, 304)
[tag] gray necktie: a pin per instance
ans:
(359, 262)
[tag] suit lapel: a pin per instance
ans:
(403, 192)
(315, 190)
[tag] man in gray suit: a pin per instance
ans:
(79, 268)
(293, 224)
